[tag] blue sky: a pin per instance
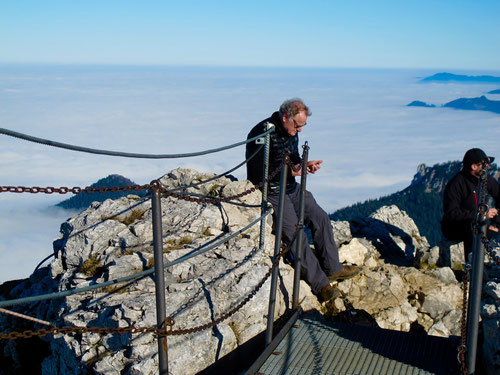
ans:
(358, 34)
(355, 110)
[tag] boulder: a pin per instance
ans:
(342, 231)
(445, 254)
(393, 232)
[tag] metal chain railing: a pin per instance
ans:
(169, 322)
(490, 249)
(483, 209)
(462, 348)
(468, 352)
(74, 190)
(80, 330)
(155, 184)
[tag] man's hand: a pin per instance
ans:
(492, 212)
(312, 167)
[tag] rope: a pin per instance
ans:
(130, 277)
(124, 154)
(22, 316)
(220, 175)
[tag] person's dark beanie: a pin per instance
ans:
(476, 155)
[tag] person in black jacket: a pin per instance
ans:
(460, 200)
(321, 265)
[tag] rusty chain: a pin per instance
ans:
(79, 330)
(155, 184)
(476, 226)
(74, 190)
(490, 249)
(462, 348)
(169, 322)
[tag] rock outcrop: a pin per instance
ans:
(403, 284)
(398, 296)
(490, 315)
(113, 239)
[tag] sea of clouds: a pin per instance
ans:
(371, 142)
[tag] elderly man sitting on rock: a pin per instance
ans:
(321, 265)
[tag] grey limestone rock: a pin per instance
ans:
(342, 230)
(445, 254)
(113, 239)
(392, 232)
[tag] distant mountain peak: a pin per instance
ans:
(83, 199)
(448, 77)
(479, 104)
(472, 104)
(435, 178)
(418, 103)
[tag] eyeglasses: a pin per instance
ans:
(296, 125)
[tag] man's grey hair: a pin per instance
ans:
(291, 107)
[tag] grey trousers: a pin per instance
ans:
(321, 262)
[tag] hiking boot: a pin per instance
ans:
(345, 273)
(327, 293)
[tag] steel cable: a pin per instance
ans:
(124, 154)
(218, 176)
(66, 293)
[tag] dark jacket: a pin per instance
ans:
(280, 143)
(460, 198)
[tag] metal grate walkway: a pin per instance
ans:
(316, 346)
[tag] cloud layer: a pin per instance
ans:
(370, 141)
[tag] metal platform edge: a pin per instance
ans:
(274, 343)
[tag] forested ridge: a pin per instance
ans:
(422, 200)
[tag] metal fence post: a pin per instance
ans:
(265, 187)
(300, 235)
(277, 244)
(159, 279)
(476, 283)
